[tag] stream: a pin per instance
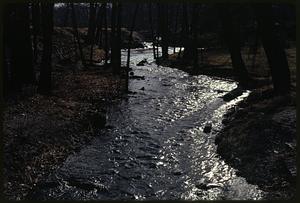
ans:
(155, 148)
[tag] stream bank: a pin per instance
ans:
(42, 131)
(259, 138)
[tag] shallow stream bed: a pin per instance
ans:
(155, 147)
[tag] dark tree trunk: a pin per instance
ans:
(231, 29)
(274, 50)
(95, 39)
(130, 35)
(92, 23)
(113, 37)
(152, 31)
(175, 27)
(184, 30)
(129, 43)
(100, 18)
(22, 56)
(7, 48)
(106, 36)
(76, 34)
(119, 32)
(116, 38)
(66, 17)
(195, 33)
(163, 28)
(46, 66)
(36, 23)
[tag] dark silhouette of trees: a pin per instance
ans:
(274, 49)
(46, 65)
(21, 36)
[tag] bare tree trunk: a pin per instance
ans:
(151, 28)
(36, 22)
(22, 56)
(113, 37)
(163, 28)
(100, 18)
(76, 34)
(106, 35)
(195, 33)
(7, 39)
(274, 50)
(130, 35)
(92, 23)
(66, 19)
(184, 27)
(46, 66)
(116, 38)
(119, 41)
(175, 28)
(231, 30)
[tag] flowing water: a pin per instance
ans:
(156, 147)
